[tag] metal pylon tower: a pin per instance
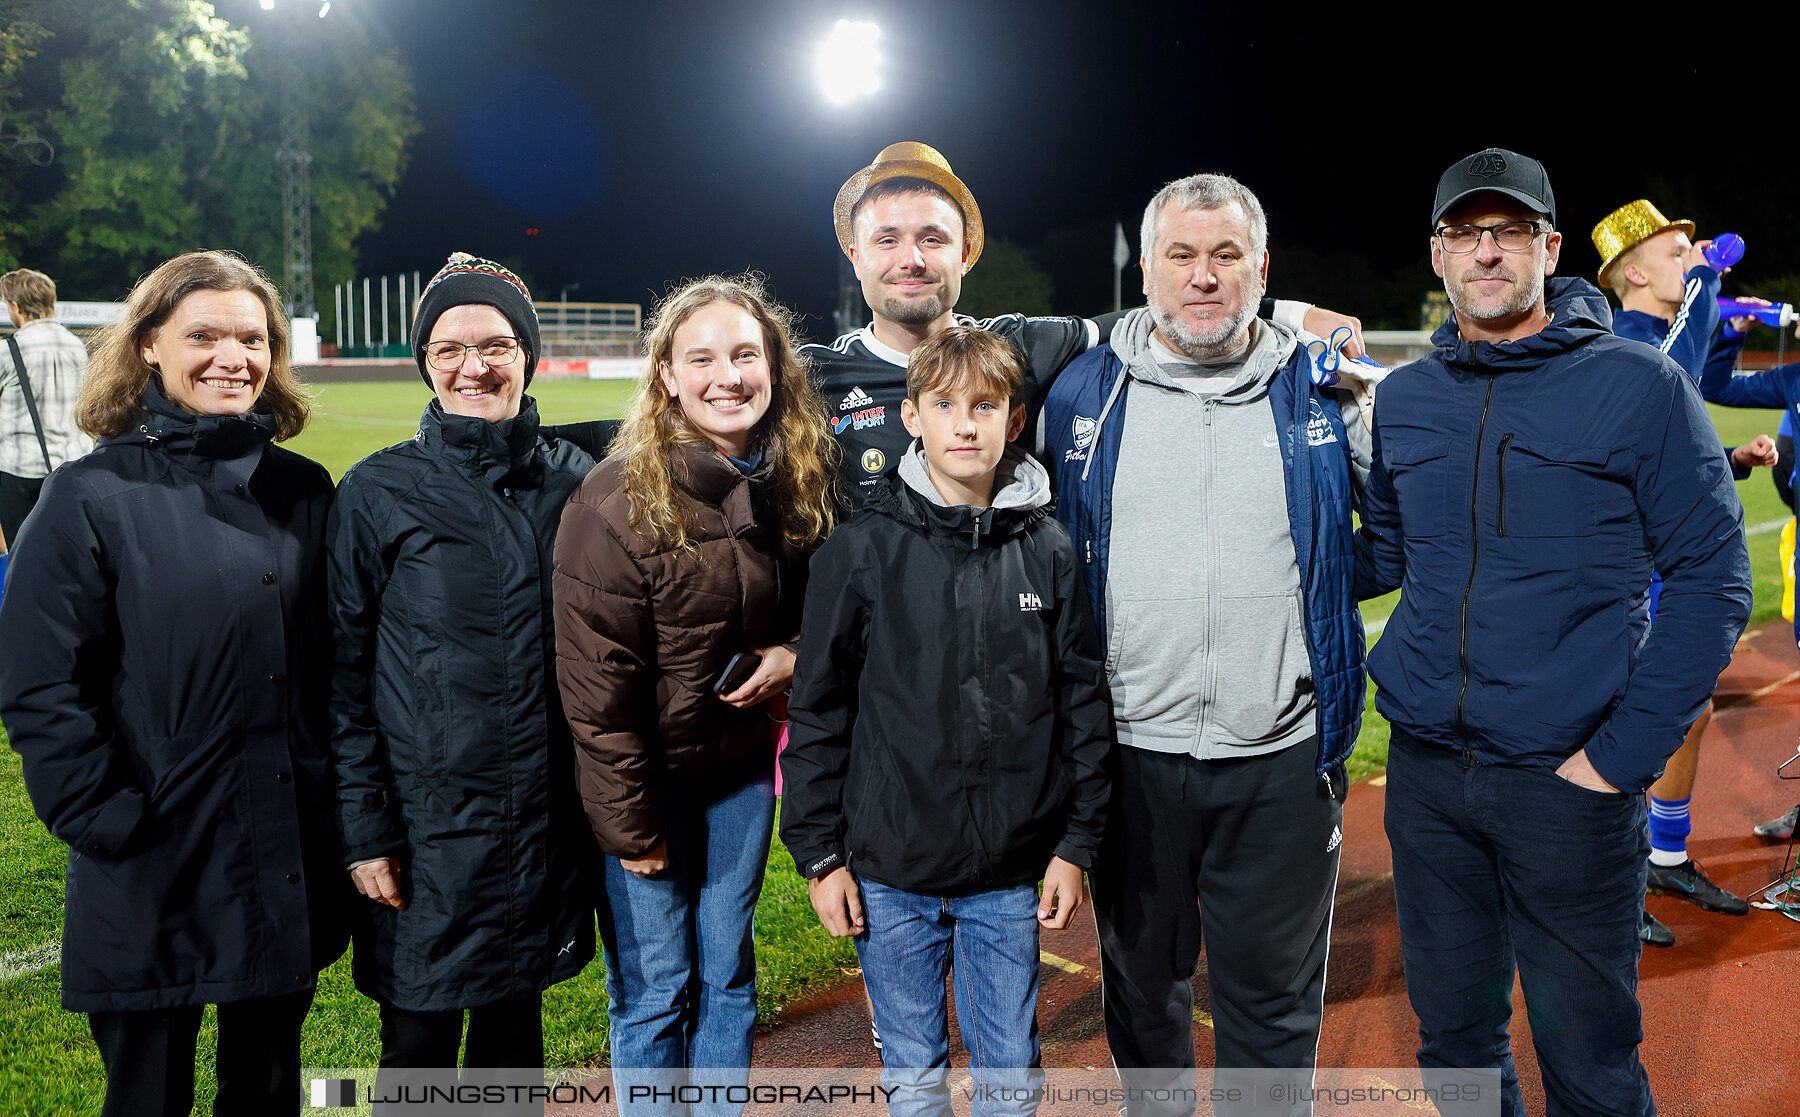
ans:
(296, 188)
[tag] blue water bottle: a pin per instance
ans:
(1725, 250)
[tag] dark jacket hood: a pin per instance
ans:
(1021, 498)
(166, 425)
(481, 444)
(1579, 313)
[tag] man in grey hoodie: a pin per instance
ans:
(1214, 515)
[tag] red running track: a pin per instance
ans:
(1721, 1007)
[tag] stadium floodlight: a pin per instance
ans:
(324, 8)
(849, 61)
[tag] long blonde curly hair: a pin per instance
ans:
(794, 436)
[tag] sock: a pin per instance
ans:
(1669, 826)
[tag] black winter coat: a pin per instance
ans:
(949, 717)
(165, 681)
(451, 753)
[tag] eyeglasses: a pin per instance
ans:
(495, 352)
(1511, 236)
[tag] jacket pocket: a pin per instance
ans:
(1421, 473)
(182, 764)
(1263, 676)
(1549, 489)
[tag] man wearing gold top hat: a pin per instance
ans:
(1668, 299)
(912, 230)
(1667, 291)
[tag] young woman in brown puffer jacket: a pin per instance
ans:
(687, 546)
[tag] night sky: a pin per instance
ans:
(651, 142)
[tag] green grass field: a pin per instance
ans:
(48, 1064)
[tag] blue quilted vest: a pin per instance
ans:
(1082, 422)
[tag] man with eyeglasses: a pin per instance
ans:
(1529, 474)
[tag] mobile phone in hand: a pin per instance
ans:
(737, 672)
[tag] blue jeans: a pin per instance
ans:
(680, 961)
(990, 941)
(1500, 868)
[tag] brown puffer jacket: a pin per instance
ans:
(642, 633)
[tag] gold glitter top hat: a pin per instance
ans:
(908, 159)
(1621, 230)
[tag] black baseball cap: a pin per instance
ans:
(1502, 171)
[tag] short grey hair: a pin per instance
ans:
(1205, 192)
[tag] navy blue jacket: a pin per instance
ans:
(1079, 421)
(1777, 387)
(1688, 340)
(166, 668)
(1521, 495)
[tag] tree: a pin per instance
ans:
(163, 119)
(1004, 281)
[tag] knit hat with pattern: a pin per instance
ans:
(470, 279)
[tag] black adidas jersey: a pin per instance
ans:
(863, 382)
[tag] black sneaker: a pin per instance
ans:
(1653, 933)
(1688, 882)
(1778, 829)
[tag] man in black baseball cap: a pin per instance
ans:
(1500, 171)
(1528, 475)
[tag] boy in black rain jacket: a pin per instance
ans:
(949, 724)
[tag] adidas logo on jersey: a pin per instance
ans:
(857, 398)
(1337, 838)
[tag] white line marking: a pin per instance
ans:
(15, 964)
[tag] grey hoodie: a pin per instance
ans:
(1205, 649)
(1019, 481)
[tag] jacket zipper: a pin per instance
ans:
(1462, 650)
(975, 571)
(1211, 677)
(1500, 514)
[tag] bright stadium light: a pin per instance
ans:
(849, 62)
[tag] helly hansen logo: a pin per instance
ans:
(1487, 164)
(857, 398)
(1030, 603)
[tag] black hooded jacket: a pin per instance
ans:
(949, 716)
(451, 753)
(164, 679)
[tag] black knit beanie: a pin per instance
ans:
(470, 279)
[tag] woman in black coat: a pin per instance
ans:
(455, 776)
(165, 681)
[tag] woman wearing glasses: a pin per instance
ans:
(456, 803)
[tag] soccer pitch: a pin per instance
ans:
(350, 421)
(48, 1064)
